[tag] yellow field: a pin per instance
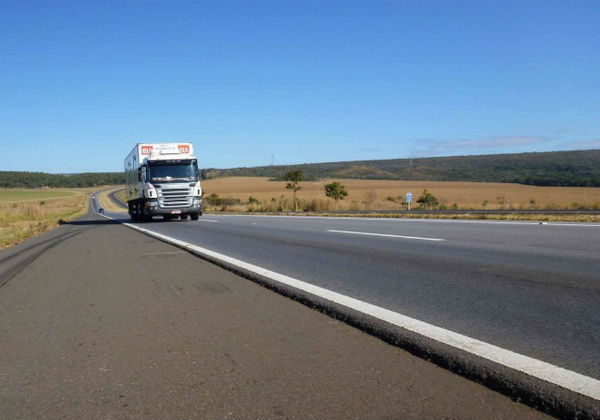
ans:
(26, 213)
(372, 194)
(10, 194)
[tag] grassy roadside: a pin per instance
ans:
(27, 213)
(107, 203)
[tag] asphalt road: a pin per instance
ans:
(99, 321)
(526, 287)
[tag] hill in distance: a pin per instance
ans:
(564, 168)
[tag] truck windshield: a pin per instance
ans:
(173, 172)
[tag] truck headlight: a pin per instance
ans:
(150, 191)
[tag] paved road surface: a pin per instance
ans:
(527, 287)
(99, 321)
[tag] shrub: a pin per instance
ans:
(427, 200)
(228, 201)
(336, 191)
(213, 200)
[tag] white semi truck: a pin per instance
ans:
(162, 179)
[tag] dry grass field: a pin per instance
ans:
(121, 196)
(26, 213)
(373, 195)
(107, 203)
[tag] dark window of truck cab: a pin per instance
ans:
(173, 171)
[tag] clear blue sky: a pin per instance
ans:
(305, 81)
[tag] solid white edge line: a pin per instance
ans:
(570, 380)
(386, 235)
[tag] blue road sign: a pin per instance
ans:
(408, 197)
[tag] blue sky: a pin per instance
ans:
(303, 81)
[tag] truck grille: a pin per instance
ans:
(174, 197)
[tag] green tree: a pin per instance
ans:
(336, 191)
(293, 179)
(428, 200)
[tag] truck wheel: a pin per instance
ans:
(194, 216)
(132, 214)
(135, 216)
(183, 216)
(145, 217)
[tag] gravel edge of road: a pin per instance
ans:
(539, 394)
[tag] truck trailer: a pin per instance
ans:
(162, 179)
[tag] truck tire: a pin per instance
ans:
(194, 216)
(135, 215)
(144, 217)
(131, 210)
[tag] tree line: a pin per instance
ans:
(14, 179)
(567, 168)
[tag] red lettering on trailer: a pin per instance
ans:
(146, 150)
(184, 148)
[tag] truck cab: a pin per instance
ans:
(162, 179)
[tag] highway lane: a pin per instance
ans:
(530, 288)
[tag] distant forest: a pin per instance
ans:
(567, 168)
(41, 179)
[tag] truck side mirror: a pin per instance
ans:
(203, 174)
(140, 174)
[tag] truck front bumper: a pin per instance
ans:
(154, 209)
